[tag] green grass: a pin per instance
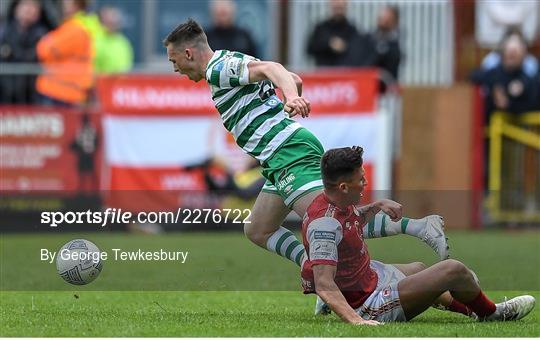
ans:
(228, 287)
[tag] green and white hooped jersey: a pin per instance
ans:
(251, 112)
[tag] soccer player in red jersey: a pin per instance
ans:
(362, 291)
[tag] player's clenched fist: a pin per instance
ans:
(298, 105)
(393, 209)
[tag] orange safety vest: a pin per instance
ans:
(66, 55)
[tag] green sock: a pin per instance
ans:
(381, 226)
(285, 243)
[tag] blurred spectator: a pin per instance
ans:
(114, 53)
(508, 87)
(91, 22)
(224, 34)
(493, 59)
(18, 45)
(247, 185)
(219, 180)
(331, 40)
(85, 146)
(537, 104)
(385, 41)
(49, 15)
(66, 54)
(235, 191)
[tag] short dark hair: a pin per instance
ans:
(82, 4)
(339, 163)
(187, 32)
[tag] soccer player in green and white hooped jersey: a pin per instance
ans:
(290, 155)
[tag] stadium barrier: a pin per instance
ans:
(514, 160)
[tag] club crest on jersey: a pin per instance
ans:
(272, 102)
(386, 292)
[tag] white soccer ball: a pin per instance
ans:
(79, 262)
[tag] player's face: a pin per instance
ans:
(183, 62)
(356, 186)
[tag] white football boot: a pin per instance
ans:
(434, 236)
(511, 310)
(321, 308)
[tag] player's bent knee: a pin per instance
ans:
(250, 231)
(254, 234)
(456, 269)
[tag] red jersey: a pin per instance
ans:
(333, 236)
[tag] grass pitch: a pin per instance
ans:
(228, 287)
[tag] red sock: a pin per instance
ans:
(458, 307)
(481, 305)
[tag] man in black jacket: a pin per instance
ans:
(332, 40)
(508, 88)
(385, 41)
(224, 34)
(18, 45)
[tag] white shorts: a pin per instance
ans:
(383, 304)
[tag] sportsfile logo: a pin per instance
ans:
(113, 215)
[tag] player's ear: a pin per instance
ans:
(188, 53)
(344, 187)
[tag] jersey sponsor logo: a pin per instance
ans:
(282, 183)
(324, 235)
(323, 250)
(233, 67)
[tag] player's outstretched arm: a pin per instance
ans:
(280, 77)
(327, 290)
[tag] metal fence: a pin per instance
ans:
(426, 28)
(514, 164)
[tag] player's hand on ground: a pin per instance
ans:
(298, 106)
(363, 322)
(393, 209)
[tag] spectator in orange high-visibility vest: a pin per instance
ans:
(66, 55)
